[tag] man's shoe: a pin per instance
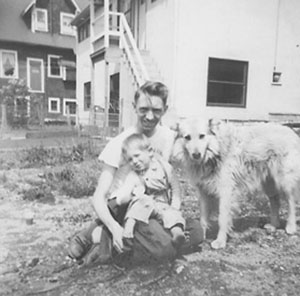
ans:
(81, 242)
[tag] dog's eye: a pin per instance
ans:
(188, 137)
(201, 136)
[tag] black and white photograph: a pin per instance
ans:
(150, 147)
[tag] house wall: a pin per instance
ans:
(239, 30)
(160, 38)
(182, 35)
(53, 87)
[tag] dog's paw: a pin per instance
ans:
(218, 244)
(291, 228)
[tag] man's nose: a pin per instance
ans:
(149, 115)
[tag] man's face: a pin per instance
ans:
(149, 110)
(138, 158)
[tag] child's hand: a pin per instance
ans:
(128, 228)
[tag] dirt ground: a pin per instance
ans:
(33, 257)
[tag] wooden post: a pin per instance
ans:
(68, 115)
(107, 97)
(106, 23)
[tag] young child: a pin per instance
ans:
(151, 189)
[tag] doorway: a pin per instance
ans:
(114, 101)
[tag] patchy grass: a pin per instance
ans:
(33, 257)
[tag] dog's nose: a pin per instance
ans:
(196, 155)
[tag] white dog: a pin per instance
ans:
(226, 162)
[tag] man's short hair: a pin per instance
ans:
(140, 139)
(152, 88)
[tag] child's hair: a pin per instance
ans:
(138, 139)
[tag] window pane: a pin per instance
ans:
(220, 93)
(72, 107)
(222, 70)
(54, 66)
(40, 15)
(66, 27)
(87, 96)
(8, 64)
(54, 106)
(35, 75)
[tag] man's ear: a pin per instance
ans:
(213, 125)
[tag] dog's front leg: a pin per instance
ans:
(204, 211)
(224, 219)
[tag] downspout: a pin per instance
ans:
(277, 35)
(175, 53)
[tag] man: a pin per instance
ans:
(150, 104)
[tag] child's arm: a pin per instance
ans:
(124, 193)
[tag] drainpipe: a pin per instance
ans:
(276, 35)
(175, 52)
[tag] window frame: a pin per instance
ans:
(62, 28)
(42, 75)
(49, 67)
(244, 83)
(34, 24)
(16, 70)
(66, 100)
(53, 99)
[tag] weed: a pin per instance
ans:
(3, 178)
(74, 180)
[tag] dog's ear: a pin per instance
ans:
(171, 119)
(213, 125)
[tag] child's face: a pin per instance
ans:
(138, 158)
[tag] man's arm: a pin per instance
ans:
(99, 201)
(175, 189)
(124, 194)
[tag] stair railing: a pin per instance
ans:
(128, 44)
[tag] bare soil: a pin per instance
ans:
(33, 257)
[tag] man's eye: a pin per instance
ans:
(188, 137)
(143, 110)
(157, 111)
(201, 136)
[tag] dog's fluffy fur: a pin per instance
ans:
(226, 162)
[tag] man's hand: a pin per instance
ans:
(117, 235)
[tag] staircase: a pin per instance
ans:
(137, 66)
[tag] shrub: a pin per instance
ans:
(39, 156)
(74, 180)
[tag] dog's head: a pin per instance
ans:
(197, 140)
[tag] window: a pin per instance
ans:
(35, 74)
(54, 66)
(70, 106)
(8, 64)
(83, 31)
(40, 20)
(65, 24)
(54, 105)
(87, 96)
(227, 83)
